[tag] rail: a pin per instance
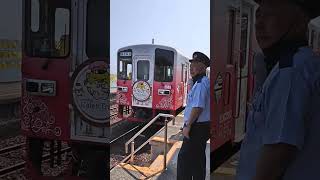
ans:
(133, 151)
(21, 165)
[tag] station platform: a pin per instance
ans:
(227, 171)
(155, 170)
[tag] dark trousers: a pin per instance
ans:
(192, 156)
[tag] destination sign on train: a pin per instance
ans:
(125, 54)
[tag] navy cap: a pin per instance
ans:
(200, 57)
(311, 7)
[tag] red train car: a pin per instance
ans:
(151, 79)
(233, 47)
(65, 84)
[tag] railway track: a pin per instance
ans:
(18, 164)
(11, 158)
(124, 134)
(11, 167)
(117, 149)
(11, 148)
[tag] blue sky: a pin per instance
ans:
(182, 24)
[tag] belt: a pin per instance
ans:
(206, 122)
(200, 123)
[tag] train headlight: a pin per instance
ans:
(41, 87)
(163, 92)
(47, 88)
(32, 87)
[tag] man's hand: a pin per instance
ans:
(274, 160)
(186, 131)
(195, 113)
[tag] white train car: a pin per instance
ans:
(314, 34)
(10, 54)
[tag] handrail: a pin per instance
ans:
(145, 127)
(133, 151)
(138, 149)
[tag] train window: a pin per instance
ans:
(164, 60)
(125, 65)
(61, 37)
(35, 15)
(231, 29)
(186, 72)
(143, 68)
(182, 72)
(244, 39)
(97, 28)
(312, 38)
(125, 70)
(129, 71)
(52, 36)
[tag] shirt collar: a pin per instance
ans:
(198, 77)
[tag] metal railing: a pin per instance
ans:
(131, 141)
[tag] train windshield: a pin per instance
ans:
(143, 69)
(97, 25)
(125, 65)
(47, 28)
(164, 60)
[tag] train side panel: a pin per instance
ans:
(165, 92)
(180, 76)
(231, 75)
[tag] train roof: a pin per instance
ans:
(153, 45)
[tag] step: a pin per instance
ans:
(171, 172)
(128, 171)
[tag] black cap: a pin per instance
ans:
(311, 7)
(200, 57)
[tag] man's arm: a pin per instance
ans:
(197, 104)
(286, 103)
(195, 113)
(274, 160)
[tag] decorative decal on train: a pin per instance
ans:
(122, 99)
(218, 88)
(38, 118)
(90, 90)
(165, 103)
(141, 91)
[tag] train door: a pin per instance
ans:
(222, 69)
(90, 84)
(230, 48)
(242, 70)
(45, 69)
(142, 81)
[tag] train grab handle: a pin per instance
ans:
(238, 104)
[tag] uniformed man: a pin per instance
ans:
(196, 130)
(283, 124)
